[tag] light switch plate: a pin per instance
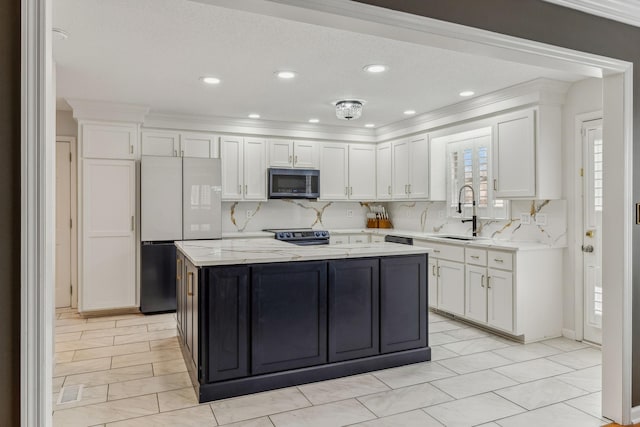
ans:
(525, 219)
(541, 219)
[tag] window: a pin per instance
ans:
(469, 163)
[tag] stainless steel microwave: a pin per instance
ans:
(294, 183)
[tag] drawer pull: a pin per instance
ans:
(498, 260)
(436, 251)
(475, 256)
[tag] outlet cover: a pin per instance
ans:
(541, 219)
(349, 213)
(249, 213)
(525, 219)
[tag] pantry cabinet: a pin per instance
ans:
(293, 154)
(244, 166)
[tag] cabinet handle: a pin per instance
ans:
(498, 260)
(350, 191)
(190, 283)
(389, 190)
(182, 153)
(409, 185)
(433, 270)
(132, 223)
(239, 189)
(438, 271)
(482, 281)
(405, 189)
(295, 159)
(290, 158)
(488, 285)
(178, 268)
(495, 185)
(175, 153)
(474, 256)
(246, 189)
(130, 149)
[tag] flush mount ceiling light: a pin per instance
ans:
(60, 34)
(314, 120)
(375, 68)
(210, 80)
(466, 93)
(370, 125)
(254, 116)
(286, 74)
(349, 109)
(409, 112)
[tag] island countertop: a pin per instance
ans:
(251, 251)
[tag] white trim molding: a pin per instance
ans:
(626, 11)
(37, 206)
(107, 111)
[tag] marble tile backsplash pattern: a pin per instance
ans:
(428, 217)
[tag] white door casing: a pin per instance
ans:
(63, 224)
(592, 229)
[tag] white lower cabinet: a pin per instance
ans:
(343, 239)
(500, 299)
(451, 286)
(476, 292)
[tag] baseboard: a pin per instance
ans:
(110, 312)
(569, 333)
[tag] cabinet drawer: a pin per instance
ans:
(440, 251)
(359, 238)
(501, 260)
(476, 256)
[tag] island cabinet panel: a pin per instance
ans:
(354, 314)
(403, 303)
(288, 316)
(191, 311)
(226, 323)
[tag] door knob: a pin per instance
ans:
(587, 248)
(589, 233)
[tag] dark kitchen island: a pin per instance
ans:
(256, 315)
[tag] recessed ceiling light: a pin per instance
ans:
(314, 120)
(286, 74)
(254, 116)
(370, 125)
(210, 80)
(60, 34)
(467, 93)
(410, 112)
(375, 68)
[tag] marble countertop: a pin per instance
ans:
(252, 251)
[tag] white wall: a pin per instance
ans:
(66, 125)
(583, 97)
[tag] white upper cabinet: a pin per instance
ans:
(160, 143)
(197, 145)
(334, 171)
(410, 172)
(362, 172)
(244, 168)
(400, 170)
(109, 140)
(293, 154)
(383, 171)
(527, 154)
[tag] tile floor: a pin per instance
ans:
(132, 374)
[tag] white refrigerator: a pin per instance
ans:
(180, 199)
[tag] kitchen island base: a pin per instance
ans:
(247, 328)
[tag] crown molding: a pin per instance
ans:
(84, 109)
(625, 11)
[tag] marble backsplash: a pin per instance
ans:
(547, 221)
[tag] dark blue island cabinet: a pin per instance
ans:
(250, 328)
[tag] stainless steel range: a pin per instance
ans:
(301, 236)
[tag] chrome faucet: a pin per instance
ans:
(474, 218)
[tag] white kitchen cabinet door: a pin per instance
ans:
(476, 293)
(109, 140)
(334, 170)
(305, 155)
(400, 179)
(383, 171)
(156, 143)
(255, 169)
(419, 167)
(433, 283)
(108, 261)
(232, 156)
(500, 299)
(280, 153)
(437, 170)
(514, 155)
(362, 172)
(451, 287)
(196, 145)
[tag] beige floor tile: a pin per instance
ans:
(200, 416)
(70, 321)
(116, 350)
(149, 336)
(115, 317)
(85, 327)
(65, 369)
(147, 357)
(70, 315)
(144, 320)
(256, 422)
(169, 367)
(329, 415)
(90, 396)
(83, 344)
(71, 336)
(111, 332)
(111, 376)
(66, 310)
(106, 412)
(63, 356)
(342, 388)
(177, 399)
(258, 405)
(57, 384)
(164, 343)
(162, 326)
(143, 386)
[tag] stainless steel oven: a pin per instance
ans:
(294, 183)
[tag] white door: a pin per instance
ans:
(63, 224)
(400, 170)
(500, 299)
(305, 155)
(362, 172)
(592, 233)
(231, 153)
(334, 169)
(419, 167)
(383, 172)
(476, 293)
(451, 287)
(280, 153)
(255, 169)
